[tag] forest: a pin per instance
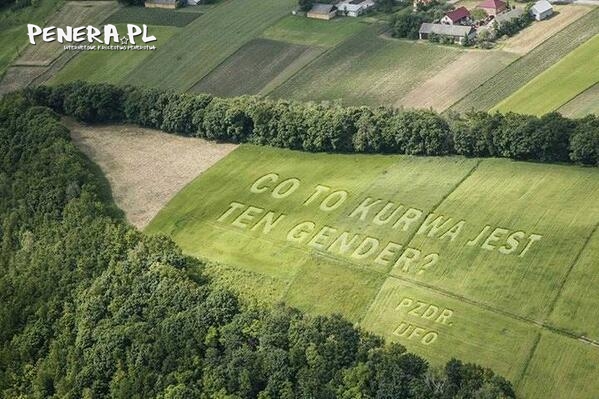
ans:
(92, 308)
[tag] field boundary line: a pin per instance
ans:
(596, 10)
(531, 354)
(578, 95)
(569, 271)
(411, 237)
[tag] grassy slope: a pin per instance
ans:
(208, 41)
(312, 32)
(559, 84)
(116, 65)
(367, 69)
(497, 300)
(252, 67)
(528, 67)
(152, 16)
(13, 25)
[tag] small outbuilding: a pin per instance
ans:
(541, 10)
(322, 11)
(456, 17)
(456, 32)
(354, 8)
(172, 4)
(493, 7)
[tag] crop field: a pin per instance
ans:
(152, 16)
(253, 66)
(116, 65)
(489, 260)
(457, 79)
(208, 41)
(72, 13)
(572, 75)
(367, 69)
(13, 25)
(526, 68)
(585, 103)
(313, 32)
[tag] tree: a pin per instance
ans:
(305, 5)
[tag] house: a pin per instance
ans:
(541, 10)
(456, 32)
(354, 8)
(322, 11)
(493, 7)
(456, 16)
(161, 4)
(508, 16)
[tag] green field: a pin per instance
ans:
(367, 69)
(487, 260)
(208, 41)
(254, 66)
(13, 28)
(151, 16)
(115, 65)
(313, 32)
(574, 74)
(526, 68)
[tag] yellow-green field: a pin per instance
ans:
(574, 74)
(488, 260)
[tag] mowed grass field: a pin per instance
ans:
(111, 66)
(489, 260)
(574, 74)
(517, 74)
(206, 42)
(367, 69)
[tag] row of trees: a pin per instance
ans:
(92, 308)
(330, 128)
(515, 25)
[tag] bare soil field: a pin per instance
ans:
(540, 31)
(145, 167)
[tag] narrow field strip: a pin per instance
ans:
(526, 68)
(559, 84)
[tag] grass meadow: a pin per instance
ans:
(572, 75)
(585, 103)
(489, 260)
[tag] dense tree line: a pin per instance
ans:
(330, 127)
(92, 308)
(515, 25)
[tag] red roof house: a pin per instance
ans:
(456, 16)
(493, 7)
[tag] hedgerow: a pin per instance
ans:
(330, 127)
